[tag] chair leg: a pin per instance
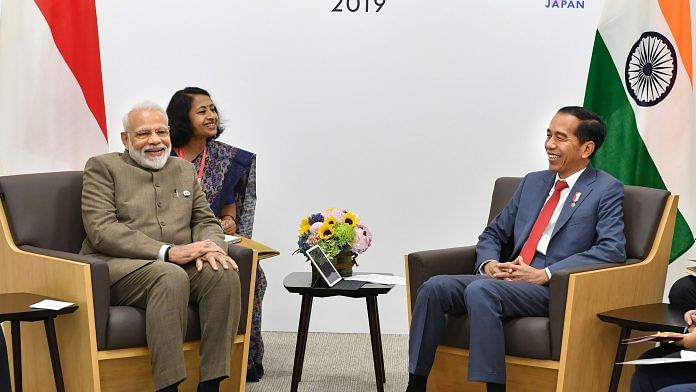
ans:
(620, 356)
(373, 319)
(16, 355)
(55, 356)
(301, 345)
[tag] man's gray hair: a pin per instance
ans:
(144, 105)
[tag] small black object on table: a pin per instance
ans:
(301, 283)
(651, 317)
(14, 307)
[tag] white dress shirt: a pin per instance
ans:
(546, 236)
(543, 244)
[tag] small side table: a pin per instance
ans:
(14, 307)
(651, 317)
(301, 283)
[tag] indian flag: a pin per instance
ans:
(52, 113)
(641, 82)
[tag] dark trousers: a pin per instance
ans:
(672, 377)
(679, 388)
(487, 302)
(4, 366)
(683, 292)
(164, 290)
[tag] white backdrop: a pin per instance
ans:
(405, 116)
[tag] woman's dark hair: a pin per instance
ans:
(591, 127)
(178, 112)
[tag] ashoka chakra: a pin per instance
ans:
(651, 69)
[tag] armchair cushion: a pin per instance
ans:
(37, 204)
(642, 212)
(524, 337)
(453, 261)
(126, 326)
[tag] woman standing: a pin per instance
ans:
(228, 177)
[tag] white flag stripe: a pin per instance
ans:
(666, 128)
(46, 123)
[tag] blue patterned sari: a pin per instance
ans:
(229, 176)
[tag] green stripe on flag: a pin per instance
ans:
(623, 153)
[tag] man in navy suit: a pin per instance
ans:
(569, 215)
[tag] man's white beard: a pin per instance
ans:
(146, 162)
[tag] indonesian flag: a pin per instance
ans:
(641, 82)
(52, 114)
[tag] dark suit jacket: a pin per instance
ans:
(590, 232)
(129, 212)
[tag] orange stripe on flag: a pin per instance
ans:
(73, 25)
(677, 13)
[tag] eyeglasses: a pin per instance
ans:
(144, 134)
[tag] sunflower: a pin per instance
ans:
(304, 226)
(331, 220)
(351, 219)
(326, 231)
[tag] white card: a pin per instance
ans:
(51, 304)
(232, 239)
(378, 278)
(685, 356)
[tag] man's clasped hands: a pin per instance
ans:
(205, 251)
(516, 270)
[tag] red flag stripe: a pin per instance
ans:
(73, 25)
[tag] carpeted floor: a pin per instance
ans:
(333, 362)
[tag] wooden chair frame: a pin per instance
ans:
(84, 367)
(589, 345)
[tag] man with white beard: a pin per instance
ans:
(146, 215)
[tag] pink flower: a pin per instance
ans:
(313, 239)
(363, 239)
(336, 213)
(314, 229)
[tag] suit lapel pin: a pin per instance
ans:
(187, 193)
(576, 196)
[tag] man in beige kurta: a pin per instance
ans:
(146, 215)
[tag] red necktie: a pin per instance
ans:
(542, 221)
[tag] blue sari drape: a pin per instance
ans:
(229, 176)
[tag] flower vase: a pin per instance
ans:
(344, 263)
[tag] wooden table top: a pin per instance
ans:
(301, 283)
(650, 317)
(15, 307)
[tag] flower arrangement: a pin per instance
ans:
(338, 233)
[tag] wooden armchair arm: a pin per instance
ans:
(246, 260)
(24, 271)
(587, 342)
(558, 294)
(101, 290)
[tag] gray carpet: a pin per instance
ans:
(333, 362)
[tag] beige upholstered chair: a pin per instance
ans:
(102, 347)
(571, 350)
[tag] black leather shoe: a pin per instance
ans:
(252, 374)
(493, 387)
(416, 383)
